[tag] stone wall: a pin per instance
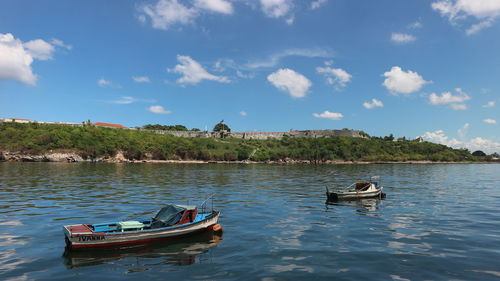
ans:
(263, 135)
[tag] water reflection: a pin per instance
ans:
(361, 206)
(182, 252)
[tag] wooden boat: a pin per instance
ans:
(171, 222)
(357, 190)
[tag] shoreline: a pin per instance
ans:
(66, 157)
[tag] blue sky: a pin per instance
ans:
(410, 68)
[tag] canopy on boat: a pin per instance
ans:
(168, 215)
(362, 185)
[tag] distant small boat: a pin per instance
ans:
(357, 190)
(172, 221)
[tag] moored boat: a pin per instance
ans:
(357, 190)
(172, 221)
(182, 251)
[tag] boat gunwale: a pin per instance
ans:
(355, 193)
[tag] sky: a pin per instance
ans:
(403, 67)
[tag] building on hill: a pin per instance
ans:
(16, 120)
(109, 125)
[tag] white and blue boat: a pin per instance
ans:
(358, 190)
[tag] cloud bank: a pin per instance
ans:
(474, 144)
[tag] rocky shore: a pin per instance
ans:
(73, 157)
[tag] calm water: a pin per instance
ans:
(438, 222)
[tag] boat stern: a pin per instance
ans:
(78, 233)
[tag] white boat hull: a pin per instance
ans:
(352, 195)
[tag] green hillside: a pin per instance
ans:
(92, 142)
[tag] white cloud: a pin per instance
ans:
(317, 4)
(455, 101)
(458, 106)
(142, 18)
(276, 8)
(415, 25)
(219, 65)
(217, 6)
(125, 100)
(490, 121)
(60, 43)
(141, 79)
(39, 49)
(335, 76)
(275, 59)
(475, 28)
(243, 113)
(402, 38)
(15, 60)
(245, 75)
(104, 83)
(486, 11)
(375, 103)
(440, 137)
(474, 144)
(401, 82)
(462, 132)
(166, 13)
(483, 144)
(490, 104)
(130, 100)
(296, 84)
(16, 57)
(329, 115)
(193, 72)
(158, 109)
(447, 97)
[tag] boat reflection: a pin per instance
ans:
(182, 252)
(363, 206)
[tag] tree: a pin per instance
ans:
(221, 127)
(165, 127)
(478, 153)
(389, 138)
